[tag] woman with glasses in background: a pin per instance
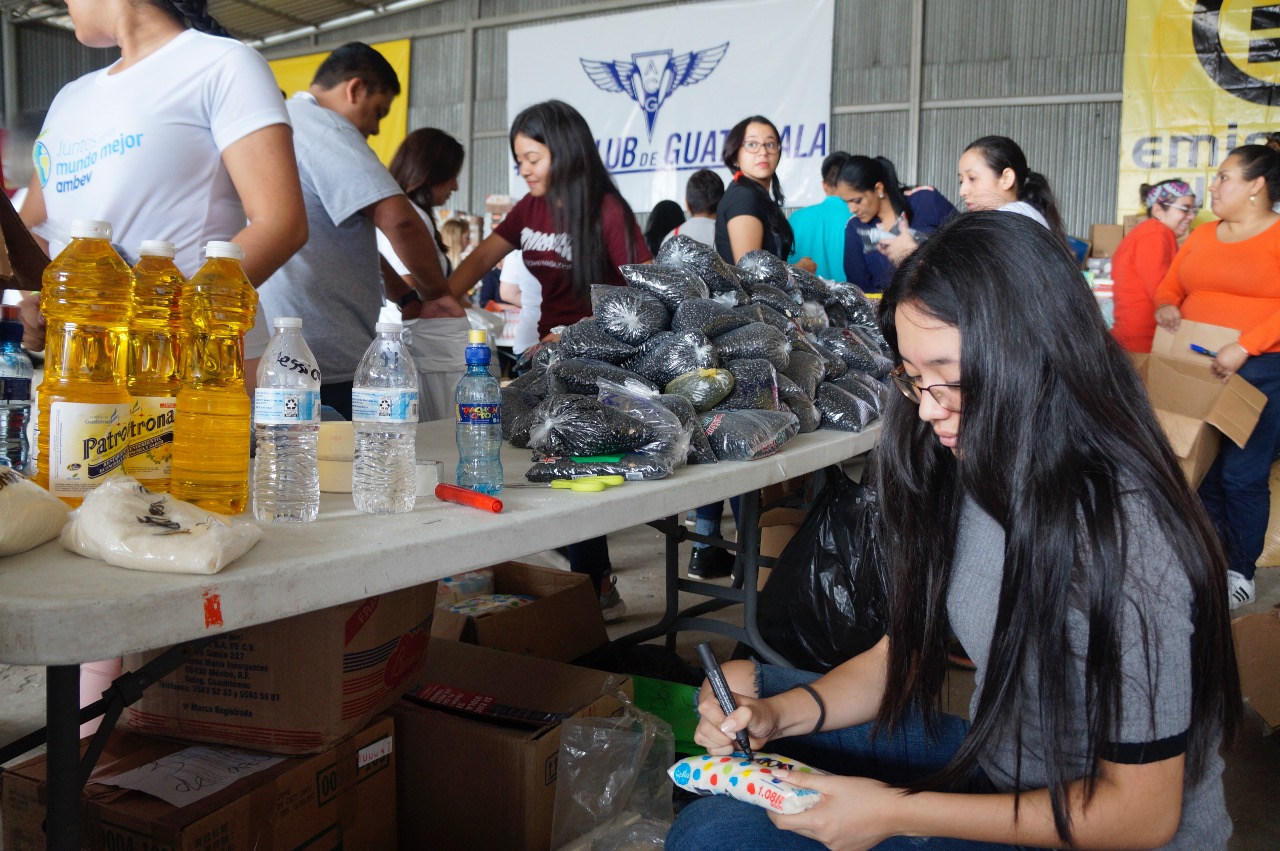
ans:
(1143, 258)
(749, 217)
(1038, 512)
(1227, 273)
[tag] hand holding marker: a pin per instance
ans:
(720, 687)
(1201, 350)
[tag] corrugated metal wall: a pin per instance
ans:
(1063, 62)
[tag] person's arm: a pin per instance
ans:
(474, 266)
(1170, 292)
(746, 233)
(1133, 806)
(510, 293)
(33, 213)
(265, 174)
(412, 243)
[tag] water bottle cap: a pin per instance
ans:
(10, 331)
(477, 337)
(157, 248)
(477, 354)
(387, 327)
(90, 229)
(224, 249)
(287, 322)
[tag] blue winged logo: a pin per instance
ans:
(650, 78)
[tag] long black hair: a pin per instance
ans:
(1057, 443)
(665, 217)
(192, 13)
(863, 173)
(729, 156)
(1001, 152)
(577, 189)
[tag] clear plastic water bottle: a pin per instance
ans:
(286, 424)
(15, 396)
(479, 429)
(384, 411)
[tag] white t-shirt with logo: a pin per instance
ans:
(142, 148)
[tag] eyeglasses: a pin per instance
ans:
(753, 146)
(1186, 211)
(946, 395)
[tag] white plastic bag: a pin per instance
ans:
(29, 514)
(123, 523)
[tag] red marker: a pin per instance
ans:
(466, 496)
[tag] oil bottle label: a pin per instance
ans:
(150, 437)
(87, 443)
(490, 414)
(286, 406)
(385, 406)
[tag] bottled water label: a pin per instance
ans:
(286, 406)
(87, 443)
(15, 389)
(389, 405)
(150, 437)
(480, 414)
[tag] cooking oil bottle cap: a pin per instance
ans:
(477, 337)
(387, 327)
(224, 249)
(157, 248)
(287, 322)
(90, 229)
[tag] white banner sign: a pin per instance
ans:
(661, 88)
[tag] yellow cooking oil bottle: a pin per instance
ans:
(86, 298)
(155, 346)
(212, 428)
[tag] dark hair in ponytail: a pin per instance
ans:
(1260, 161)
(426, 158)
(1001, 152)
(194, 14)
(729, 156)
(863, 173)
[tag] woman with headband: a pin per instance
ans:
(1143, 258)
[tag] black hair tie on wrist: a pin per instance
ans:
(411, 295)
(822, 707)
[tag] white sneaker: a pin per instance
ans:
(1240, 591)
(612, 606)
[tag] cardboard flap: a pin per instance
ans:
(1237, 410)
(1178, 344)
(1181, 430)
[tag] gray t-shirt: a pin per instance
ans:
(334, 282)
(1156, 591)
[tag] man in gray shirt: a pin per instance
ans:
(335, 282)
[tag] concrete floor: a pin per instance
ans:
(1253, 767)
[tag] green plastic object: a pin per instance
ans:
(597, 459)
(674, 703)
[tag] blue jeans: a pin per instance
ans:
(707, 519)
(1235, 492)
(719, 822)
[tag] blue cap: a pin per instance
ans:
(477, 354)
(11, 331)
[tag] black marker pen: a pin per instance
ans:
(720, 687)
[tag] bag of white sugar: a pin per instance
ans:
(123, 523)
(29, 514)
(748, 779)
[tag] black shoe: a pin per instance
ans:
(710, 563)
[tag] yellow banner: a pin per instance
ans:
(1200, 78)
(294, 75)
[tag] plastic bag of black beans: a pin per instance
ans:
(756, 340)
(808, 285)
(836, 315)
(708, 316)
(628, 314)
(586, 339)
(542, 354)
(773, 297)
(583, 375)
(755, 386)
(812, 316)
(669, 285)
(766, 314)
(851, 348)
(678, 354)
(874, 340)
(632, 466)
(534, 380)
(682, 252)
(841, 410)
(570, 424)
(748, 435)
(699, 450)
(668, 436)
(865, 387)
(647, 347)
(857, 307)
(806, 370)
(704, 388)
(805, 412)
(833, 366)
(762, 267)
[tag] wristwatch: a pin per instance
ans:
(410, 296)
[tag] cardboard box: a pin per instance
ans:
(1192, 406)
(1128, 223)
(297, 685)
(562, 623)
(1257, 639)
(343, 798)
(777, 527)
(1104, 239)
(480, 771)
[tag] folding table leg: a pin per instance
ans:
(62, 711)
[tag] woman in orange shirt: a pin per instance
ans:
(1144, 257)
(1228, 273)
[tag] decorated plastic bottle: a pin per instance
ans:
(155, 346)
(384, 411)
(479, 421)
(15, 396)
(286, 423)
(211, 432)
(87, 300)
